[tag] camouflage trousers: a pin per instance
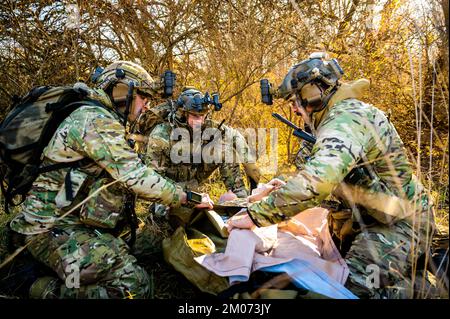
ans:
(383, 261)
(89, 264)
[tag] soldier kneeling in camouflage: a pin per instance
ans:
(81, 244)
(392, 218)
(189, 118)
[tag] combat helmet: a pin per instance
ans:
(313, 81)
(122, 80)
(192, 100)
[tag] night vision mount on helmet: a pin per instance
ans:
(317, 70)
(192, 100)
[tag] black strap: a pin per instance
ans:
(68, 185)
(130, 214)
(67, 179)
(128, 103)
(60, 112)
(24, 188)
(57, 166)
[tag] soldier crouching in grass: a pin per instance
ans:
(81, 244)
(189, 117)
(392, 218)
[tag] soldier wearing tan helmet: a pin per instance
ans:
(79, 242)
(191, 111)
(390, 216)
(130, 87)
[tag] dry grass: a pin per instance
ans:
(166, 283)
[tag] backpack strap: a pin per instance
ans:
(48, 132)
(23, 188)
(67, 179)
(60, 112)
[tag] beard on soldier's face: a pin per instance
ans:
(195, 121)
(296, 107)
(306, 116)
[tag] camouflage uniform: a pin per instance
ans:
(153, 133)
(190, 174)
(155, 125)
(392, 208)
(106, 270)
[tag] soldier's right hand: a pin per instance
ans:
(206, 202)
(265, 189)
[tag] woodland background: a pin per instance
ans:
(229, 45)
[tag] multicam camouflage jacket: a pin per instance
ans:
(96, 133)
(349, 133)
(191, 174)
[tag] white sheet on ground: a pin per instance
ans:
(304, 242)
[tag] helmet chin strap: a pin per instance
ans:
(328, 94)
(128, 103)
(135, 121)
(306, 116)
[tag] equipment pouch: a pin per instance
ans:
(105, 206)
(341, 224)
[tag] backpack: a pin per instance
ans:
(26, 131)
